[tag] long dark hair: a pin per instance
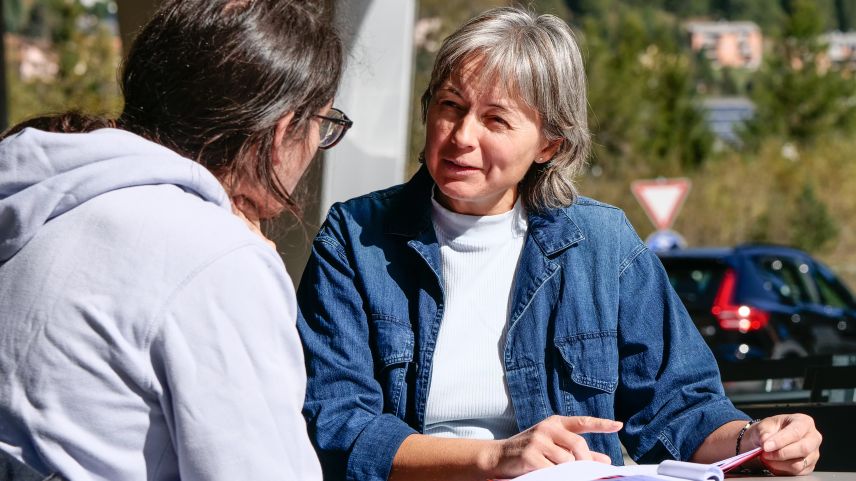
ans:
(210, 79)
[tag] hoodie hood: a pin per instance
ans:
(44, 175)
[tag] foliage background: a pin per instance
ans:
(789, 182)
(82, 35)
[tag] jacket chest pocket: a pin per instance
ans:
(393, 341)
(588, 373)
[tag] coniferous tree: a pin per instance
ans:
(845, 11)
(12, 15)
(642, 93)
(86, 57)
(798, 94)
(814, 227)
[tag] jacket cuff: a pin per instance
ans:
(683, 436)
(373, 451)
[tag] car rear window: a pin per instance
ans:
(787, 277)
(833, 292)
(695, 280)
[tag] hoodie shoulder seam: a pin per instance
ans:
(155, 323)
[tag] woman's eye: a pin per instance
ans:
(450, 104)
(499, 120)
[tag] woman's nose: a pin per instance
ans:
(465, 133)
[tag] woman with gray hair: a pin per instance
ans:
(483, 320)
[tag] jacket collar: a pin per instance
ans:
(553, 230)
(411, 213)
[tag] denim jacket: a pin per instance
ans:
(594, 329)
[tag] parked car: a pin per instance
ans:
(763, 301)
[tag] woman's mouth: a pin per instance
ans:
(457, 167)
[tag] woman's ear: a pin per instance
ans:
(283, 125)
(549, 151)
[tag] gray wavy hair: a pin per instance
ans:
(536, 58)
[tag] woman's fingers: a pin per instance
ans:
(601, 458)
(550, 442)
(798, 450)
(791, 443)
(782, 437)
(563, 432)
(588, 424)
(777, 432)
(792, 466)
(573, 444)
(558, 455)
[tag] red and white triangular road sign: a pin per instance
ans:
(661, 198)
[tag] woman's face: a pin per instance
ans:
(293, 154)
(480, 142)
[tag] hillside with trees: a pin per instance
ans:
(60, 55)
(786, 181)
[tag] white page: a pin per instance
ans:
(694, 471)
(590, 470)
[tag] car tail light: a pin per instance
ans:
(735, 317)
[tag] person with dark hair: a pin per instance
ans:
(149, 331)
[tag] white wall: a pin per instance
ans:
(375, 93)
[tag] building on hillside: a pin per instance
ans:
(33, 58)
(841, 47)
(726, 116)
(728, 44)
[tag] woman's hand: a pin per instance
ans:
(553, 441)
(790, 443)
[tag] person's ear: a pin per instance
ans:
(283, 125)
(549, 151)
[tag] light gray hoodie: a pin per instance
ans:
(146, 333)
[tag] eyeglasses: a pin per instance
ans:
(333, 128)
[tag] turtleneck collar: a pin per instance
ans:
(478, 229)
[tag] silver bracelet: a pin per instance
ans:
(742, 432)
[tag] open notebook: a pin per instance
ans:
(665, 471)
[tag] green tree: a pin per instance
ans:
(797, 94)
(767, 14)
(87, 58)
(587, 8)
(814, 226)
(13, 15)
(642, 93)
(845, 11)
(679, 137)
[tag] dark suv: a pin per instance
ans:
(763, 301)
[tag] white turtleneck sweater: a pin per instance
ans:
(468, 396)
